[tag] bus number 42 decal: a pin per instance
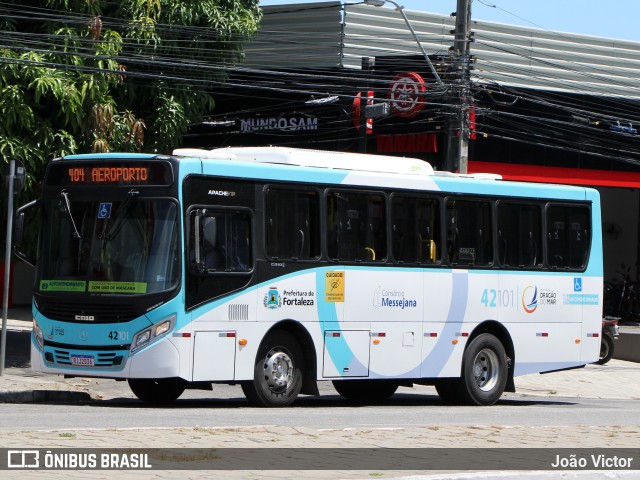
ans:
(494, 298)
(118, 335)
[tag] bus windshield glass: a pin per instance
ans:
(125, 246)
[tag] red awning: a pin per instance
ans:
(568, 176)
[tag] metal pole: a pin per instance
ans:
(415, 37)
(7, 266)
(400, 8)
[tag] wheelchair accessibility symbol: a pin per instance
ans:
(104, 210)
(577, 284)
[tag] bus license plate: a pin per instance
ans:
(82, 360)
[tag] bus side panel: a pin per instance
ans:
(346, 351)
(216, 329)
(214, 353)
(390, 302)
(452, 311)
(396, 349)
(543, 313)
(543, 347)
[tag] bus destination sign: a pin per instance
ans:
(111, 174)
(99, 175)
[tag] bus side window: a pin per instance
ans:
(375, 234)
(531, 251)
(356, 227)
(469, 237)
(519, 241)
(416, 223)
(220, 242)
(557, 245)
(579, 237)
(292, 224)
(568, 238)
(405, 241)
(331, 227)
(212, 255)
(503, 249)
(428, 228)
(238, 249)
(348, 225)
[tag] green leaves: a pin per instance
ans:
(170, 124)
(17, 114)
(98, 75)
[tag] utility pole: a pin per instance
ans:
(365, 123)
(458, 136)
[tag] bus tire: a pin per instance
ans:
(277, 373)
(606, 350)
(484, 371)
(163, 390)
(365, 390)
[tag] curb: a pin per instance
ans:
(45, 396)
(627, 347)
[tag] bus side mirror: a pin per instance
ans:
(18, 232)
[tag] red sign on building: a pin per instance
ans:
(406, 94)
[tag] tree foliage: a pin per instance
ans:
(99, 75)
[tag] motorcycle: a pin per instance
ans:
(610, 333)
(621, 297)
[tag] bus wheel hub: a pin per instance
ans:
(278, 370)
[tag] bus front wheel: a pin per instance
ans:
(484, 371)
(163, 390)
(277, 373)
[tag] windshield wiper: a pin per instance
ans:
(65, 195)
(112, 231)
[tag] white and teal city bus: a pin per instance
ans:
(275, 268)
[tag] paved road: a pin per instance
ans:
(226, 407)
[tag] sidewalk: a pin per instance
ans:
(19, 319)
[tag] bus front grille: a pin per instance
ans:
(73, 312)
(101, 359)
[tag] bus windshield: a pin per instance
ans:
(125, 246)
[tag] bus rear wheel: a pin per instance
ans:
(365, 390)
(163, 390)
(277, 373)
(484, 371)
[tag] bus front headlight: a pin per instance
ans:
(150, 335)
(141, 340)
(37, 334)
(162, 328)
